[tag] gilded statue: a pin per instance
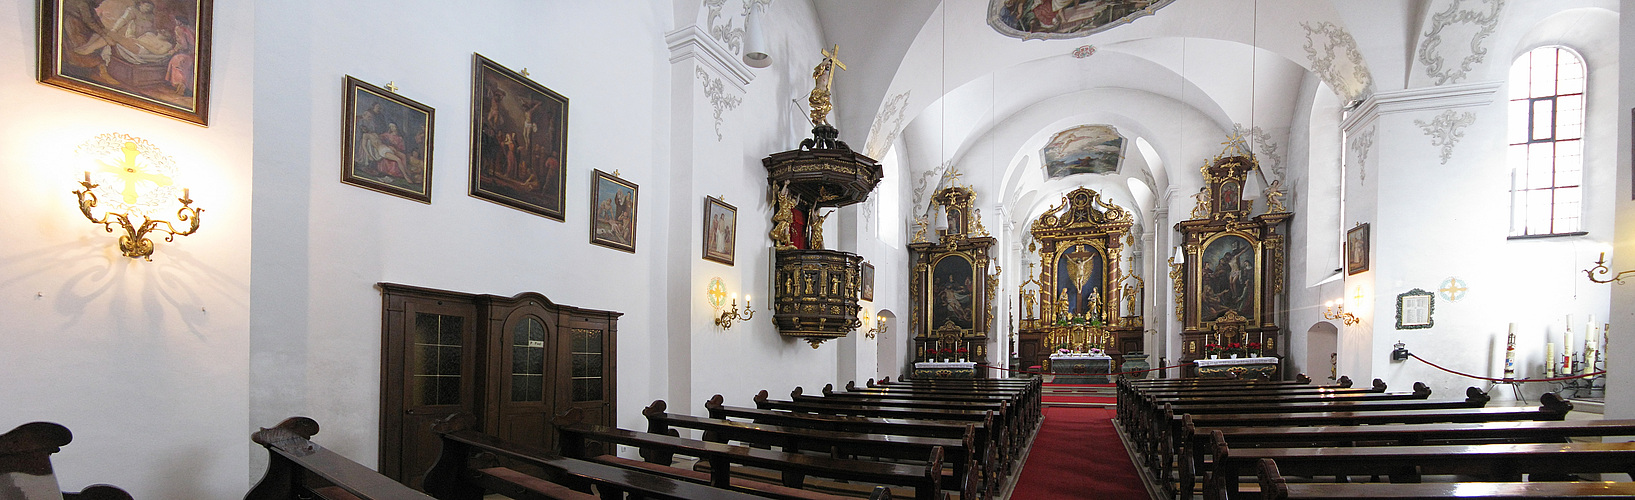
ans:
(822, 76)
(1274, 197)
(1064, 310)
(1202, 210)
(920, 225)
(1028, 299)
(1093, 304)
(817, 228)
(782, 217)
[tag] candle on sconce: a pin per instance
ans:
(87, 176)
(185, 194)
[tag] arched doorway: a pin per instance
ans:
(1322, 348)
(886, 356)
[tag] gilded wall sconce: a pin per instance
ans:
(717, 293)
(137, 183)
(1329, 312)
(878, 329)
(1601, 269)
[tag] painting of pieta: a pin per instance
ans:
(1226, 278)
(519, 140)
(148, 54)
(953, 293)
(1079, 272)
(387, 142)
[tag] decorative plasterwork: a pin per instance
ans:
(1361, 146)
(887, 124)
(719, 98)
(1084, 51)
(692, 42)
(1483, 21)
(1265, 148)
(1335, 58)
(725, 33)
(1447, 129)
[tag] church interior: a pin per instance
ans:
(523, 226)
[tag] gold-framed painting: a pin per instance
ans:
(387, 142)
(866, 289)
(720, 230)
(152, 55)
(519, 132)
(1356, 249)
(613, 212)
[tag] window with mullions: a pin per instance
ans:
(1546, 135)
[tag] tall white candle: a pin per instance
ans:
(1510, 354)
(1549, 360)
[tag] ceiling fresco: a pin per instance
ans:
(1085, 149)
(1055, 19)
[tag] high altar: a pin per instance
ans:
(1081, 297)
(1229, 283)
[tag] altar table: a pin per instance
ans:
(1081, 369)
(950, 369)
(1243, 367)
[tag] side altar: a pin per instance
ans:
(951, 286)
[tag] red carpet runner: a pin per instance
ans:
(1078, 455)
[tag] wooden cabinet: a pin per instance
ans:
(514, 362)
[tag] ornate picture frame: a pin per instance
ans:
(164, 69)
(720, 230)
(866, 289)
(1415, 309)
(613, 212)
(1356, 249)
(519, 138)
(387, 146)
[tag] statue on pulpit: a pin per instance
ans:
(782, 217)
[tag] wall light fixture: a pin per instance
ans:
(137, 182)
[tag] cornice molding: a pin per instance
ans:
(1422, 99)
(693, 42)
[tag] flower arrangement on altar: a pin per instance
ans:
(961, 353)
(1212, 350)
(1096, 351)
(1254, 349)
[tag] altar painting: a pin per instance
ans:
(952, 292)
(1085, 149)
(1078, 274)
(1226, 278)
(1052, 19)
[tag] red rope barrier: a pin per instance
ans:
(1075, 374)
(1490, 379)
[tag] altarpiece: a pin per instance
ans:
(1084, 298)
(951, 287)
(1230, 282)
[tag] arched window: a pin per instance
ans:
(1546, 136)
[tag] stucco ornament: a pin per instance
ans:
(1460, 16)
(1335, 58)
(716, 92)
(887, 125)
(1447, 129)
(1361, 146)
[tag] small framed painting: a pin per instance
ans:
(387, 146)
(152, 55)
(720, 230)
(1356, 249)
(1414, 309)
(867, 277)
(519, 133)
(613, 212)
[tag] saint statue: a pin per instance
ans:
(782, 216)
(1274, 197)
(822, 76)
(1027, 304)
(817, 228)
(1064, 310)
(1202, 210)
(1093, 304)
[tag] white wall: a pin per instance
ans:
(145, 362)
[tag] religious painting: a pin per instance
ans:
(1356, 249)
(720, 230)
(152, 55)
(866, 291)
(613, 212)
(387, 145)
(1414, 309)
(1226, 278)
(1057, 19)
(1085, 149)
(1079, 271)
(1231, 196)
(519, 133)
(953, 292)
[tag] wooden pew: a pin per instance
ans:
(25, 463)
(1300, 379)
(1001, 434)
(458, 476)
(1200, 440)
(1028, 407)
(1003, 410)
(720, 459)
(298, 468)
(964, 475)
(1273, 486)
(1407, 464)
(986, 447)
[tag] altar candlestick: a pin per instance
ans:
(1510, 354)
(1549, 360)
